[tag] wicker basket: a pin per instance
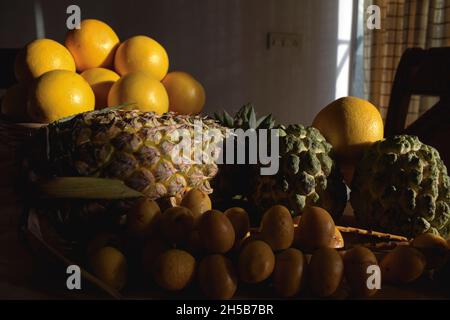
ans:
(40, 238)
(12, 137)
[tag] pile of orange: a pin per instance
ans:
(94, 70)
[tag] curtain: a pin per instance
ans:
(404, 24)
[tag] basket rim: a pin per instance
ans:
(31, 125)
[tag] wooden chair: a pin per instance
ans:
(423, 72)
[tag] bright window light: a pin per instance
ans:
(343, 50)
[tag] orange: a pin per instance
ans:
(58, 94)
(186, 95)
(141, 53)
(350, 124)
(93, 45)
(14, 102)
(142, 89)
(110, 266)
(101, 81)
(40, 56)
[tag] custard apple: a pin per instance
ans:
(401, 186)
(308, 175)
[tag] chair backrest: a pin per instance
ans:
(7, 56)
(422, 72)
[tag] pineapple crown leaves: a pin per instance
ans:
(245, 119)
(225, 119)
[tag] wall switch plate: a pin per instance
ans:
(283, 39)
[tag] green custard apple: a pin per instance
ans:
(401, 186)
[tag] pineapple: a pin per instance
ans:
(129, 147)
(138, 148)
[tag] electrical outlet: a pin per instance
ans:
(283, 39)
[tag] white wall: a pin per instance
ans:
(221, 42)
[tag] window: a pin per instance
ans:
(345, 19)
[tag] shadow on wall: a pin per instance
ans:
(222, 43)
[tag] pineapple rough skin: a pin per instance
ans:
(401, 186)
(129, 145)
(308, 175)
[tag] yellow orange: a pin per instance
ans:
(110, 266)
(350, 124)
(186, 95)
(40, 56)
(140, 89)
(58, 94)
(14, 102)
(93, 45)
(141, 53)
(101, 81)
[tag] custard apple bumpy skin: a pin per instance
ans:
(401, 186)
